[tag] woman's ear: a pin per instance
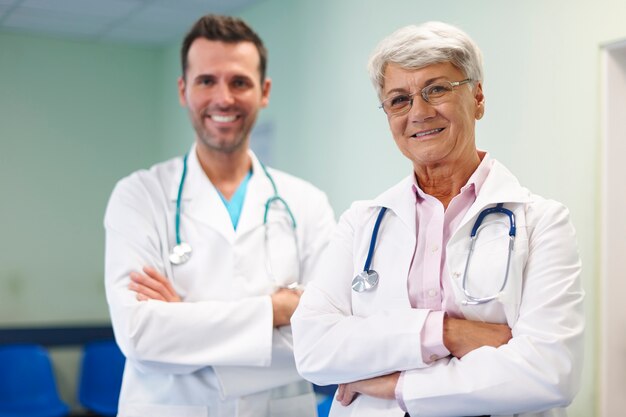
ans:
(480, 100)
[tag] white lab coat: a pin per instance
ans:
(216, 354)
(343, 336)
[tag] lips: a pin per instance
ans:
(429, 132)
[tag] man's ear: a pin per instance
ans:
(265, 92)
(181, 91)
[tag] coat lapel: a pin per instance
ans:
(258, 192)
(400, 199)
(500, 186)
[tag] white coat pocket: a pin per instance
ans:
(488, 265)
(489, 273)
(281, 250)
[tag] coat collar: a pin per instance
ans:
(500, 186)
(201, 200)
(400, 199)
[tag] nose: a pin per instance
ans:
(420, 110)
(222, 95)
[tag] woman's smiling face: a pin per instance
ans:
(430, 135)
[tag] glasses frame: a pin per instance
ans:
(424, 94)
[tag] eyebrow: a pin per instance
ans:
(203, 76)
(230, 78)
(403, 90)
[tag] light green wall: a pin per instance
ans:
(176, 133)
(76, 117)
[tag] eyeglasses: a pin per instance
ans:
(433, 94)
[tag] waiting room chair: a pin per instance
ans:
(27, 384)
(326, 396)
(323, 408)
(100, 378)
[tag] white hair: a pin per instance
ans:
(415, 47)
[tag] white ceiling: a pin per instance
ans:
(153, 22)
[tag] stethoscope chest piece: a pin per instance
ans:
(180, 253)
(368, 278)
(365, 281)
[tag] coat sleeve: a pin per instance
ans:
(316, 221)
(331, 344)
(540, 367)
(172, 337)
(317, 228)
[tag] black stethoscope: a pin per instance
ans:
(368, 279)
(181, 252)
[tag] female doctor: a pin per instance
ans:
(457, 291)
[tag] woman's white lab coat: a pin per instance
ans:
(343, 336)
(216, 354)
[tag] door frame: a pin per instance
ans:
(612, 291)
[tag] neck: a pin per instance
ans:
(445, 180)
(225, 170)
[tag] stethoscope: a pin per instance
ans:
(181, 252)
(498, 209)
(368, 279)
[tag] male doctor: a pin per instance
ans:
(205, 254)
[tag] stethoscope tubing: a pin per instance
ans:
(367, 279)
(185, 249)
(179, 198)
(498, 209)
(370, 251)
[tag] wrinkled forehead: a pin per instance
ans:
(407, 79)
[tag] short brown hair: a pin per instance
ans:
(224, 29)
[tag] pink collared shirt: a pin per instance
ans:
(428, 283)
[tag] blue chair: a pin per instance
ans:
(27, 385)
(326, 396)
(101, 377)
(323, 408)
(325, 389)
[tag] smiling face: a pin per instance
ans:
(433, 135)
(223, 93)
